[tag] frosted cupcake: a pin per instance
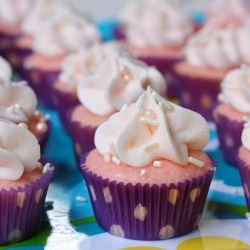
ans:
(118, 81)
(62, 32)
(210, 55)
(148, 177)
(232, 111)
(156, 31)
(243, 162)
(23, 183)
(18, 104)
(75, 68)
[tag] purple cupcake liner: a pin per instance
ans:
(229, 133)
(197, 94)
(245, 177)
(144, 212)
(22, 209)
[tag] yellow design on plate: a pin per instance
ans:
(213, 243)
(143, 248)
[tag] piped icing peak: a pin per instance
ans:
(156, 23)
(19, 151)
(5, 69)
(118, 81)
(17, 101)
(235, 89)
(150, 130)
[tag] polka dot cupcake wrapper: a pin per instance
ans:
(245, 177)
(41, 82)
(21, 210)
(229, 133)
(145, 212)
(199, 95)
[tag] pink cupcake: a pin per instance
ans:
(148, 177)
(75, 68)
(243, 162)
(210, 55)
(118, 81)
(156, 32)
(18, 104)
(23, 184)
(232, 110)
(61, 32)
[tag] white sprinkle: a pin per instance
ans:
(143, 171)
(106, 158)
(116, 160)
(112, 148)
(81, 198)
(160, 99)
(17, 106)
(148, 121)
(157, 164)
(48, 167)
(23, 125)
(124, 107)
(196, 161)
(149, 147)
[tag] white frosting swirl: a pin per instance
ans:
(235, 89)
(13, 11)
(118, 81)
(5, 69)
(219, 47)
(19, 151)
(84, 62)
(156, 23)
(152, 129)
(63, 32)
(17, 101)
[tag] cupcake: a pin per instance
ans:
(210, 55)
(232, 110)
(12, 13)
(156, 31)
(23, 183)
(118, 81)
(18, 104)
(148, 177)
(75, 68)
(243, 162)
(61, 32)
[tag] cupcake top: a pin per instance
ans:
(235, 89)
(79, 64)
(19, 151)
(118, 81)
(6, 71)
(219, 48)
(156, 23)
(151, 130)
(18, 101)
(14, 11)
(63, 31)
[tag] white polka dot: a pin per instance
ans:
(92, 191)
(14, 236)
(186, 98)
(228, 141)
(246, 190)
(166, 232)
(117, 231)
(206, 101)
(107, 195)
(140, 212)
(38, 195)
(173, 195)
(78, 149)
(20, 199)
(194, 194)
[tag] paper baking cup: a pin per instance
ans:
(245, 177)
(22, 209)
(229, 133)
(144, 212)
(41, 81)
(198, 94)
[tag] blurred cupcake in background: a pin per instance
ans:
(210, 55)
(75, 68)
(156, 31)
(18, 104)
(62, 32)
(232, 111)
(12, 13)
(243, 161)
(148, 177)
(117, 82)
(23, 183)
